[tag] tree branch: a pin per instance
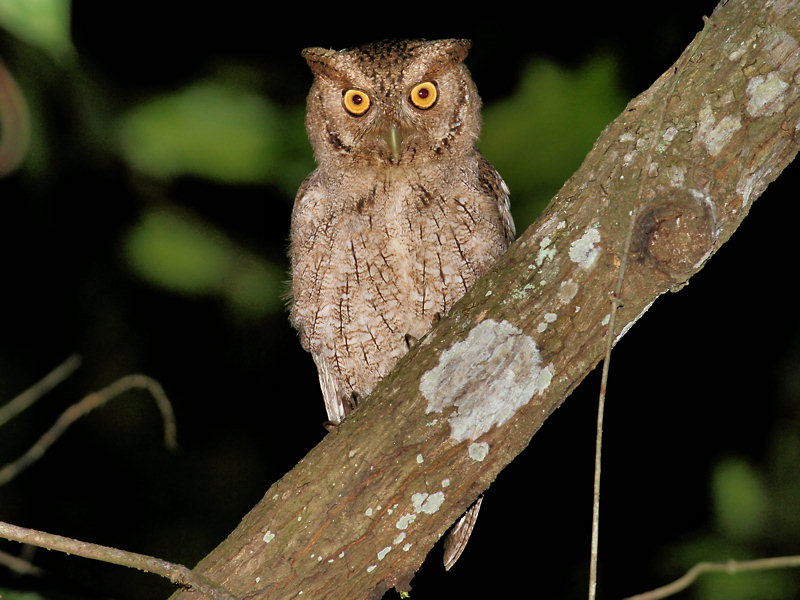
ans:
(26, 399)
(731, 567)
(361, 511)
(177, 574)
(82, 408)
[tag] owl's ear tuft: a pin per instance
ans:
(322, 61)
(444, 54)
(457, 49)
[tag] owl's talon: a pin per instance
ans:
(331, 426)
(352, 402)
(410, 340)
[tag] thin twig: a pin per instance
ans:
(610, 335)
(19, 404)
(83, 407)
(177, 574)
(19, 565)
(732, 567)
(137, 381)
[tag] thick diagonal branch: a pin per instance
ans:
(666, 184)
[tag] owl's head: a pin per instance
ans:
(391, 103)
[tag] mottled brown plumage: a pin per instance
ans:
(400, 217)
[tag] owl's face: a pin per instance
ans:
(391, 103)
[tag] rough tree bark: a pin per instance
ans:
(666, 184)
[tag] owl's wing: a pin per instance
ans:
(494, 186)
(330, 390)
(458, 537)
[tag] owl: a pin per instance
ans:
(401, 216)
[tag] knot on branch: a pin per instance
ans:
(674, 234)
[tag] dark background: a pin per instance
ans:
(702, 411)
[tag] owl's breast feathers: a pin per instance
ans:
(377, 257)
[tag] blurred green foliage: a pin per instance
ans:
(753, 585)
(539, 136)
(740, 500)
(753, 509)
(42, 23)
(183, 254)
(225, 132)
(216, 130)
(8, 594)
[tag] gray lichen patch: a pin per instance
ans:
(716, 135)
(546, 252)
(478, 451)
(676, 175)
(486, 378)
(427, 503)
(406, 520)
(584, 250)
(765, 94)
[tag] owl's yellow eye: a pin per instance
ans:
(423, 95)
(356, 102)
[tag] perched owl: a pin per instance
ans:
(402, 215)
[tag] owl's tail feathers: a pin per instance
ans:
(459, 536)
(335, 405)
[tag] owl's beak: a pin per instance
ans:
(394, 138)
